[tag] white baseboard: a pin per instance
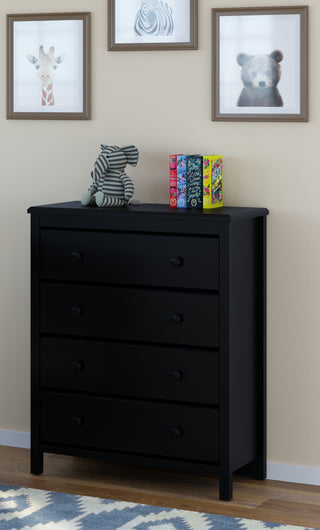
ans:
(15, 439)
(289, 473)
(282, 472)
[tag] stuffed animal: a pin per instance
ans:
(111, 186)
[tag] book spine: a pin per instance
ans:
(173, 181)
(194, 181)
(217, 181)
(181, 181)
(206, 168)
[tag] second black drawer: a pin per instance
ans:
(175, 374)
(130, 314)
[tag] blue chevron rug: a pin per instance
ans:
(32, 509)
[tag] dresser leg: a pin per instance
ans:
(260, 471)
(36, 462)
(225, 486)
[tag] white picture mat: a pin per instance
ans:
(259, 34)
(125, 16)
(67, 38)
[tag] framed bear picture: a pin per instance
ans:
(260, 64)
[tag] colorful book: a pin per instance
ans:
(173, 181)
(212, 181)
(217, 181)
(182, 181)
(206, 168)
(194, 181)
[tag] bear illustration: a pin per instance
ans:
(260, 75)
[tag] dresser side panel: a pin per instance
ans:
(246, 348)
(36, 455)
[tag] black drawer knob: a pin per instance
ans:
(77, 366)
(76, 256)
(176, 375)
(77, 420)
(176, 432)
(176, 318)
(176, 262)
(76, 311)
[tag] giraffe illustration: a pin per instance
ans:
(46, 65)
(154, 18)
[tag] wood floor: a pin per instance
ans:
(267, 500)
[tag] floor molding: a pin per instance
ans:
(290, 473)
(275, 471)
(15, 439)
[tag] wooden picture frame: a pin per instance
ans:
(42, 46)
(260, 48)
(131, 29)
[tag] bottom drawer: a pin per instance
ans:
(175, 431)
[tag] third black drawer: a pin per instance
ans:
(147, 371)
(130, 314)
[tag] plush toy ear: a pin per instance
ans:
(242, 58)
(277, 55)
(131, 153)
(101, 166)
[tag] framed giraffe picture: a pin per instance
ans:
(48, 73)
(152, 25)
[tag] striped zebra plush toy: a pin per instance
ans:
(111, 186)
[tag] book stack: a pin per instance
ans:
(196, 181)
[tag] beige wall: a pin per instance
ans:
(161, 102)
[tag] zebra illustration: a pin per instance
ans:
(154, 18)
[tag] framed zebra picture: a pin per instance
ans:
(48, 66)
(152, 25)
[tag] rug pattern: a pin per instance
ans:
(32, 509)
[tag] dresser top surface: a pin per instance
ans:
(222, 214)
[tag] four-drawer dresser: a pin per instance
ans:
(148, 338)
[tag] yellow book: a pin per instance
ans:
(206, 171)
(217, 181)
(212, 181)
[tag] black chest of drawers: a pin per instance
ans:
(148, 337)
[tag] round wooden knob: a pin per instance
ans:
(77, 366)
(76, 311)
(176, 318)
(176, 375)
(76, 256)
(176, 432)
(176, 261)
(77, 420)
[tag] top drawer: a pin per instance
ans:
(136, 259)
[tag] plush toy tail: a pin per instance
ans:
(113, 201)
(108, 200)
